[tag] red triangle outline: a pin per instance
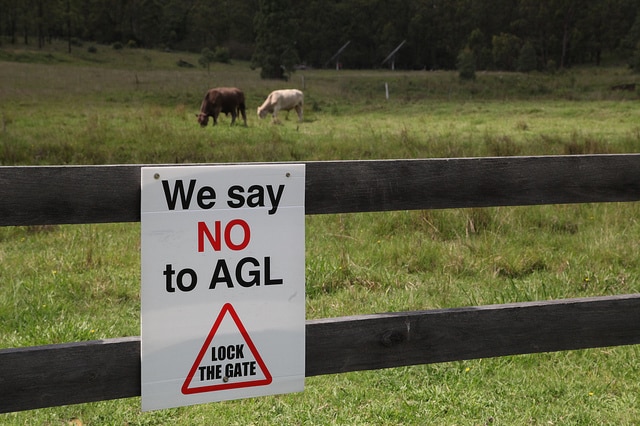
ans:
(227, 308)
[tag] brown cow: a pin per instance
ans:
(228, 100)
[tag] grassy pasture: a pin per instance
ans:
(70, 283)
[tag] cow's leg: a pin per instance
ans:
(244, 115)
(275, 114)
(216, 112)
(233, 116)
(299, 111)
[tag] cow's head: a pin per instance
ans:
(203, 119)
(262, 112)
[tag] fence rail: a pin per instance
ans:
(51, 375)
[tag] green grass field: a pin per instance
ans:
(71, 283)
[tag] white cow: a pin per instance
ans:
(286, 99)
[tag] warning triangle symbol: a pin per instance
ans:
(226, 361)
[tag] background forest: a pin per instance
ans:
(521, 35)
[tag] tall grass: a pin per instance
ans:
(73, 114)
(81, 282)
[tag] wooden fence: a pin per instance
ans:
(70, 373)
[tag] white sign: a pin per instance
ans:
(223, 284)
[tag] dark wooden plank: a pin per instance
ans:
(69, 194)
(471, 182)
(91, 371)
(398, 339)
(96, 194)
(70, 373)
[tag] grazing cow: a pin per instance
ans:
(228, 100)
(277, 100)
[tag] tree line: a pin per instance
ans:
(281, 34)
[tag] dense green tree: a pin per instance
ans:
(149, 24)
(9, 20)
(605, 24)
(632, 38)
(275, 53)
(479, 47)
(466, 65)
(506, 48)
(105, 21)
(631, 44)
(534, 23)
(438, 31)
(527, 60)
(211, 22)
(70, 22)
(206, 58)
(567, 15)
(319, 35)
(364, 31)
